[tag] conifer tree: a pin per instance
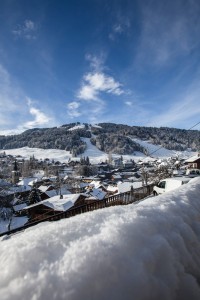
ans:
(34, 196)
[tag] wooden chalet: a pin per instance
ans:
(54, 205)
(193, 162)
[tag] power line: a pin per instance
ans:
(194, 125)
(163, 147)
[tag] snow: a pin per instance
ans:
(193, 158)
(26, 152)
(148, 250)
(81, 126)
(19, 207)
(58, 204)
(25, 183)
(126, 186)
(15, 223)
(96, 155)
(44, 188)
(159, 151)
(93, 152)
(98, 194)
(18, 222)
(96, 126)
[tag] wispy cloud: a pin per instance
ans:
(168, 31)
(184, 111)
(121, 26)
(96, 62)
(13, 101)
(73, 109)
(27, 30)
(40, 118)
(9, 96)
(96, 83)
(129, 103)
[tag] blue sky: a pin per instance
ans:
(130, 62)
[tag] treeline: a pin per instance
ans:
(48, 138)
(108, 137)
(115, 143)
(169, 138)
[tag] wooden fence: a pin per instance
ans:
(119, 199)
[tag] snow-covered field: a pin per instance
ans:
(26, 152)
(95, 154)
(147, 251)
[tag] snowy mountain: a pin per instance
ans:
(106, 138)
(97, 156)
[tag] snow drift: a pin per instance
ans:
(149, 250)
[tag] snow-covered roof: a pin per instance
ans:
(51, 193)
(117, 176)
(25, 182)
(62, 191)
(44, 188)
(58, 204)
(15, 223)
(19, 207)
(31, 183)
(111, 188)
(192, 159)
(95, 184)
(126, 186)
(98, 194)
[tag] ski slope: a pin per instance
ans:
(97, 156)
(93, 152)
(158, 151)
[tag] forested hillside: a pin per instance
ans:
(108, 137)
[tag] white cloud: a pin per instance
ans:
(29, 25)
(26, 30)
(72, 109)
(40, 118)
(96, 62)
(16, 107)
(128, 103)
(121, 26)
(118, 28)
(95, 83)
(87, 92)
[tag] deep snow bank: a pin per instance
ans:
(144, 251)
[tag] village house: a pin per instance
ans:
(193, 162)
(54, 205)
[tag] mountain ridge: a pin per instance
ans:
(107, 137)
